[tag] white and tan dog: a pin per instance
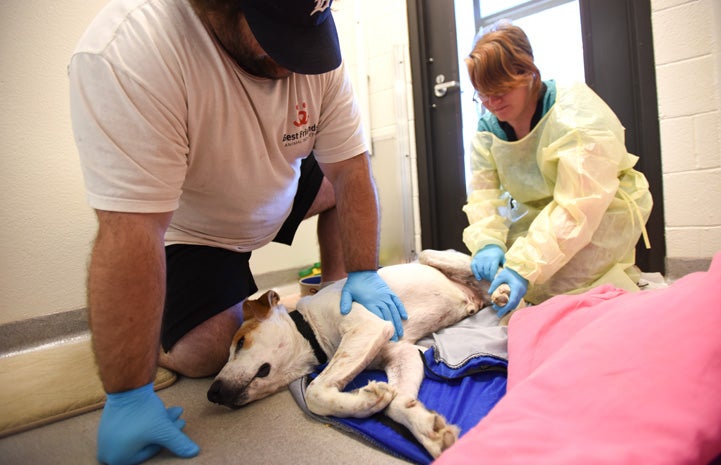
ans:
(274, 347)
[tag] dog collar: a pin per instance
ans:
(305, 330)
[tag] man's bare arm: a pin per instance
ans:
(126, 291)
(359, 222)
(358, 210)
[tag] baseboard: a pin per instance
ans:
(22, 335)
(25, 334)
(275, 279)
(679, 267)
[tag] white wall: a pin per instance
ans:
(687, 44)
(47, 227)
(381, 26)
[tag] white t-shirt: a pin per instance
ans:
(165, 120)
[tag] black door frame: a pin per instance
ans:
(439, 166)
(625, 79)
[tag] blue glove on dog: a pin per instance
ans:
(486, 261)
(518, 285)
(369, 290)
(135, 426)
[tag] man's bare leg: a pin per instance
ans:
(204, 350)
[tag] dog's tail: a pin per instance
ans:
(457, 267)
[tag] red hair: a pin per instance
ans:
(502, 60)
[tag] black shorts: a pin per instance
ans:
(203, 281)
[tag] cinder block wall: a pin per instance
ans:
(687, 44)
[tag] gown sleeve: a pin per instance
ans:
(485, 202)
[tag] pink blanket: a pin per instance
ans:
(609, 377)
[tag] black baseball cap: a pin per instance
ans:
(299, 35)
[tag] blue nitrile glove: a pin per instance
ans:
(135, 426)
(486, 261)
(518, 285)
(369, 290)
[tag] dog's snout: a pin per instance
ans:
(214, 392)
(219, 393)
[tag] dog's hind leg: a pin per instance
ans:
(457, 267)
(450, 262)
(405, 374)
(358, 348)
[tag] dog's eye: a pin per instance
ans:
(239, 345)
(263, 370)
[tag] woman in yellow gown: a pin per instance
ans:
(554, 201)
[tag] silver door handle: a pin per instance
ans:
(442, 87)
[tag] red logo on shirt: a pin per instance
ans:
(306, 129)
(302, 116)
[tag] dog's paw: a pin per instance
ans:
(373, 397)
(427, 426)
(444, 434)
(435, 434)
(501, 295)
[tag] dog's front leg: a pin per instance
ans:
(358, 348)
(405, 374)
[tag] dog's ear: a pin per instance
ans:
(261, 307)
(272, 297)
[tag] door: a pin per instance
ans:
(625, 79)
(437, 104)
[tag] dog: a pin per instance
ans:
(273, 347)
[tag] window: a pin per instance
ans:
(552, 26)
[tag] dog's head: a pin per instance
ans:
(264, 356)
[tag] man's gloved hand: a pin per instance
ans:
(518, 285)
(135, 426)
(369, 290)
(486, 261)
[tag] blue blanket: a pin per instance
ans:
(463, 395)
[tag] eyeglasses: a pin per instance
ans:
(478, 98)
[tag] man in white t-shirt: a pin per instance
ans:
(207, 129)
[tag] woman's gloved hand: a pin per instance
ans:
(486, 261)
(135, 426)
(518, 285)
(369, 290)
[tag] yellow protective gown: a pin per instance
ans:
(564, 201)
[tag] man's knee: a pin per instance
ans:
(187, 361)
(204, 350)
